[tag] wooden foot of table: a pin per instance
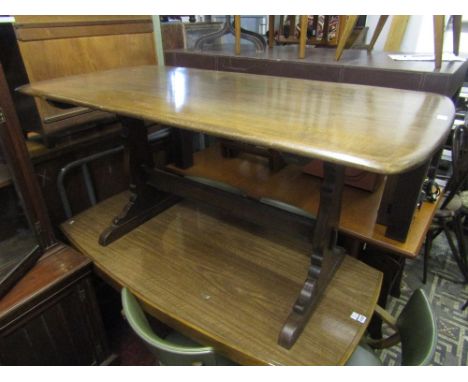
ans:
(326, 256)
(136, 212)
(309, 297)
(145, 202)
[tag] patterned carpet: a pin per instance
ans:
(447, 294)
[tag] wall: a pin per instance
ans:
(419, 35)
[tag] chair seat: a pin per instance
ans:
(180, 340)
(364, 356)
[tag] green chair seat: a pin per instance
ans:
(417, 333)
(364, 356)
(174, 349)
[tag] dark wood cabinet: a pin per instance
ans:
(48, 310)
(51, 316)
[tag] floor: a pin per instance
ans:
(447, 294)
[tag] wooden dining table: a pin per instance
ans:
(384, 131)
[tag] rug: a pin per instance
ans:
(447, 294)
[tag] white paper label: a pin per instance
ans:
(358, 317)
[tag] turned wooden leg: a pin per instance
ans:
(145, 202)
(439, 22)
(325, 258)
(348, 29)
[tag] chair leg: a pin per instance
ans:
(457, 21)
(271, 31)
(378, 30)
(427, 251)
(454, 249)
(458, 229)
(303, 36)
(439, 22)
(348, 29)
(237, 30)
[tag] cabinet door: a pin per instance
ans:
(64, 329)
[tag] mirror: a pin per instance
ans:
(25, 229)
(18, 245)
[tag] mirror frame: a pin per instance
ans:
(26, 184)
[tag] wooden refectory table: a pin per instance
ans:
(381, 130)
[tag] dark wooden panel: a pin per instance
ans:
(374, 77)
(320, 64)
(62, 335)
(41, 342)
(75, 316)
(51, 316)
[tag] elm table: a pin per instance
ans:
(381, 130)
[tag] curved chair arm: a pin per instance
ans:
(137, 320)
(386, 317)
(388, 341)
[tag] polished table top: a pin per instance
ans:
(376, 129)
(234, 297)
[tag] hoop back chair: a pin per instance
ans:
(415, 328)
(174, 349)
(449, 217)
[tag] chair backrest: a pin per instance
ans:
(417, 328)
(167, 353)
(58, 46)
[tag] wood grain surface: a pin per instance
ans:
(59, 46)
(56, 265)
(382, 130)
(251, 174)
(228, 283)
